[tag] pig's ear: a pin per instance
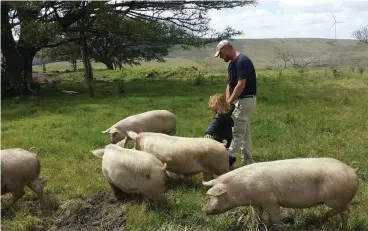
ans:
(106, 131)
(207, 183)
(113, 131)
(132, 135)
(217, 190)
(98, 152)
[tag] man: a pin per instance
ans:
(241, 94)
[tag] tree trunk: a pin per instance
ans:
(74, 65)
(87, 64)
(16, 79)
(108, 64)
(43, 66)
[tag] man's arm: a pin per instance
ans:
(237, 91)
(228, 92)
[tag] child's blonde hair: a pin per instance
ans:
(218, 101)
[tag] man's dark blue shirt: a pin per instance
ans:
(242, 68)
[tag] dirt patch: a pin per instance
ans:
(100, 212)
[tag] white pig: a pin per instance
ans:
(161, 121)
(20, 168)
(184, 155)
(132, 171)
(289, 183)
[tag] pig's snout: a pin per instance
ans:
(210, 210)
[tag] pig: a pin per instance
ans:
(161, 121)
(131, 171)
(183, 155)
(20, 168)
(289, 183)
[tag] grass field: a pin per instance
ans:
(317, 113)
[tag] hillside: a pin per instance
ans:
(263, 52)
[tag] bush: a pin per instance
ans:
(361, 70)
(336, 72)
(198, 80)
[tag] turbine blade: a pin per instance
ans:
(333, 25)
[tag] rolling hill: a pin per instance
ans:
(264, 52)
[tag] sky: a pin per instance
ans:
(294, 18)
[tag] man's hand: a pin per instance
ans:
(237, 91)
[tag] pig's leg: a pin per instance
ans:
(37, 187)
(344, 218)
(258, 213)
(17, 192)
(274, 215)
(331, 213)
(336, 207)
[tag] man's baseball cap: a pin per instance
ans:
(221, 45)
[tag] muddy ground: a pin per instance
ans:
(99, 212)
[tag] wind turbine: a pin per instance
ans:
(334, 24)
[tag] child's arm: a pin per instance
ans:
(212, 127)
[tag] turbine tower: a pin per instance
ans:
(334, 24)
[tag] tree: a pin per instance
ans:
(42, 24)
(149, 41)
(43, 55)
(362, 34)
(283, 54)
(69, 52)
(34, 29)
(125, 47)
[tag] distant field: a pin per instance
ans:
(322, 112)
(263, 52)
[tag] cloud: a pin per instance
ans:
(291, 18)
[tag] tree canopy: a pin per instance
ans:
(361, 34)
(144, 30)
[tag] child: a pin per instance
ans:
(221, 125)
